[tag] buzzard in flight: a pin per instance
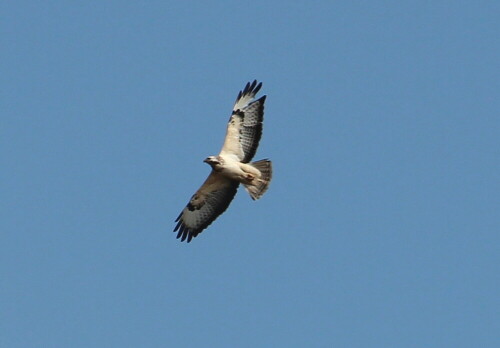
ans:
(231, 167)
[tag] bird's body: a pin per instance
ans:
(231, 167)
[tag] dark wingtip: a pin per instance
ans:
(179, 234)
(184, 232)
(259, 86)
(250, 88)
(179, 217)
(247, 88)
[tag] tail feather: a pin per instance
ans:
(259, 185)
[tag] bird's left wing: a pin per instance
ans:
(244, 129)
(211, 200)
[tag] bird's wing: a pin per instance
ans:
(211, 200)
(244, 128)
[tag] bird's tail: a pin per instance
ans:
(259, 185)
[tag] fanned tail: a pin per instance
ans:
(259, 185)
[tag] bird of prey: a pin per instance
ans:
(231, 167)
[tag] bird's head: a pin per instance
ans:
(212, 160)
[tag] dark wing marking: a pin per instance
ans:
(210, 201)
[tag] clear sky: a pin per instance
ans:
(380, 228)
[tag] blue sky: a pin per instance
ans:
(380, 228)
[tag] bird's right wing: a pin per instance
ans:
(210, 201)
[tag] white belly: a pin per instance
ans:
(233, 171)
(236, 170)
